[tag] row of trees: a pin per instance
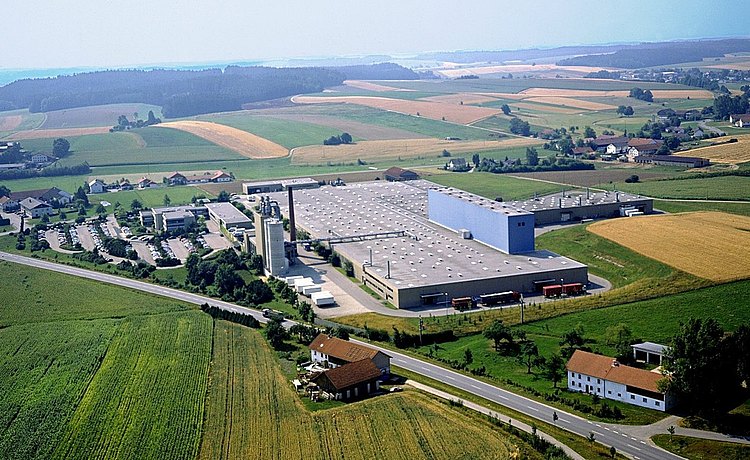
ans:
(344, 138)
(124, 124)
(641, 95)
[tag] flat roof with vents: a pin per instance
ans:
(437, 255)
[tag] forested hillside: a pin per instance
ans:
(179, 92)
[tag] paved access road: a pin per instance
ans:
(626, 444)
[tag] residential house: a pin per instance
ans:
(602, 144)
(125, 185)
(698, 134)
(349, 381)
(581, 151)
(52, 196)
(176, 179)
(36, 208)
(607, 378)
(146, 183)
(221, 176)
(396, 174)
(97, 186)
(740, 120)
(9, 205)
(333, 352)
(457, 165)
(645, 146)
(41, 159)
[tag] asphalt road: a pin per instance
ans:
(630, 446)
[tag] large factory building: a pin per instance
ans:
(413, 254)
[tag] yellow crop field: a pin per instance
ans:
(242, 142)
(61, 132)
(545, 108)
(570, 102)
(393, 149)
(252, 412)
(710, 245)
(736, 152)
(463, 114)
(366, 85)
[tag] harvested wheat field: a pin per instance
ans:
(394, 149)
(463, 114)
(658, 93)
(242, 142)
(569, 102)
(366, 85)
(736, 152)
(62, 132)
(10, 122)
(711, 245)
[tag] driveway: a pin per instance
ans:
(15, 221)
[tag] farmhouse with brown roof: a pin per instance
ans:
(396, 174)
(607, 378)
(740, 120)
(352, 380)
(334, 352)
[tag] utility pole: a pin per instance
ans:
(421, 328)
(522, 308)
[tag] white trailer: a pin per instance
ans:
(307, 290)
(301, 283)
(322, 298)
(291, 279)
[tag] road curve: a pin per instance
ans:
(631, 446)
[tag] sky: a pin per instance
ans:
(100, 33)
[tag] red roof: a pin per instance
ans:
(342, 349)
(395, 171)
(351, 374)
(607, 368)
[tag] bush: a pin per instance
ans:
(632, 179)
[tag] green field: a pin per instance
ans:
(686, 206)
(28, 120)
(68, 183)
(144, 146)
(97, 115)
(491, 185)
(709, 188)
(245, 380)
(91, 370)
(150, 198)
(702, 449)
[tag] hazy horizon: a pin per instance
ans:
(77, 34)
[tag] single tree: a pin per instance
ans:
(346, 138)
(4, 191)
(532, 156)
(468, 356)
(100, 209)
(167, 200)
(505, 108)
(628, 112)
(591, 437)
(497, 331)
(276, 334)
(60, 147)
(670, 430)
(475, 159)
(620, 337)
(588, 131)
(555, 367)
(612, 452)
(222, 197)
(529, 355)
(227, 280)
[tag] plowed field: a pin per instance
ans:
(711, 245)
(242, 142)
(454, 113)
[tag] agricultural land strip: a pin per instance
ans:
(242, 142)
(97, 115)
(357, 129)
(570, 102)
(459, 98)
(462, 114)
(395, 149)
(370, 86)
(60, 132)
(709, 245)
(10, 122)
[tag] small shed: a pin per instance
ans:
(649, 352)
(350, 381)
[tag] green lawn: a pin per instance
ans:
(150, 198)
(709, 188)
(68, 183)
(145, 146)
(683, 206)
(491, 185)
(702, 449)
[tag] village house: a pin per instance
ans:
(41, 159)
(52, 196)
(8, 205)
(602, 144)
(740, 120)
(644, 146)
(146, 183)
(607, 378)
(180, 179)
(97, 186)
(581, 151)
(36, 208)
(396, 174)
(457, 165)
(334, 352)
(349, 381)
(176, 179)
(125, 185)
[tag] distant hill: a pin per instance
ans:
(467, 57)
(383, 71)
(660, 54)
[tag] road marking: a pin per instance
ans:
(563, 420)
(502, 397)
(598, 425)
(608, 429)
(533, 408)
(449, 377)
(643, 442)
(634, 439)
(624, 435)
(474, 386)
(633, 447)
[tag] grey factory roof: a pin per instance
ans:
(573, 199)
(180, 214)
(438, 255)
(227, 213)
(177, 208)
